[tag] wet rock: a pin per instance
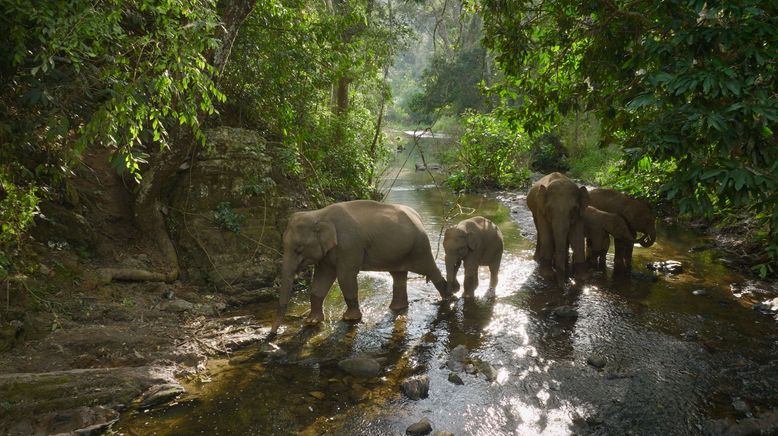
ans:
(700, 292)
(416, 388)
(470, 368)
(424, 426)
(428, 167)
(357, 392)
(442, 433)
(160, 394)
(176, 305)
(317, 394)
(666, 266)
(272, 350)
(690, 335)
(741, 407)
(554, 332)
(360, 366)
(769, 306)
(596, 361)
(564, 312)
(455, 378)
(457, 357)
(486, 369)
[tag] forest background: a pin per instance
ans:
(673, 102)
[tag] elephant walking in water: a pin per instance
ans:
(341, 240)
(557, 206)
(598, 225)
(476, 242)
(638, 216)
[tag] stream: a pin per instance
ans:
(684, 354)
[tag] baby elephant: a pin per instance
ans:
(475, 241)
(597, 226)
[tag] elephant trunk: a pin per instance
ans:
(288, 271)
(648, 239)
(561, 232)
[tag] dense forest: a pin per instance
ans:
(672, 102)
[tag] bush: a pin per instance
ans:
(492, 154)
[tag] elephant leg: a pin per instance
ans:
(348, 285)
(494, 271)
(323, 278)
(544, 249)
(471, 279)
(399, 290)
(619, 266)
(629, 246)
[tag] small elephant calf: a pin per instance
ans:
(597, 226)
(476, 242)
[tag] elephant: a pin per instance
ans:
(475, 242)
(557, 206)
(341, 240)
(638, 215)
(597, 226)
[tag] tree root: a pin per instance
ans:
(107, 275)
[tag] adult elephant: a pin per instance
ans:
(477, 242)
(598, 225)
(344, 238)
(638, 215)
(557, 206)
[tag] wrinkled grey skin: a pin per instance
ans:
(598, 225)
(557, 206)
(475, 242)
(344, 238)
(639, 217)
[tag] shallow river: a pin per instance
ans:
(675, 362)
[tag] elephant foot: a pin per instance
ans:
(581, 271)
(469, 295)
(314, 319)
(490, 293)
(352, 315)
(546, 271)
(397, 306)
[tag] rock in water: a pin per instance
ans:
(699, 292)
(486, 369)
(455, 378)
(159, 394)
(420, 428)
(456, 358)
(666, 266)
(442, 433)
(596, 361)
(360, 366)
(565, 312)
(417, 387)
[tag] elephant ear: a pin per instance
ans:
(583, 199)
(328, 238)
(473, 241)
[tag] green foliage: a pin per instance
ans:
(286, 61)
(227, 218)
(492, 154)
(688, 88)
(18, 206)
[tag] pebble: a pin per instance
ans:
(596, 361)
(455, 378)
(456, 358)
(420, 428)
(666, 266)
(741, 407)
(700, 292)
(317, 394)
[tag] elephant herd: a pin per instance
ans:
(568, 216)
(342, 239)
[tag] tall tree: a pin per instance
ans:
(690, 85)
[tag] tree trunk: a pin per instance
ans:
(148, 202)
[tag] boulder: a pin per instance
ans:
(666, 266)
(416, 387)
(457, 357)
(424, 426)
(360, 366)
